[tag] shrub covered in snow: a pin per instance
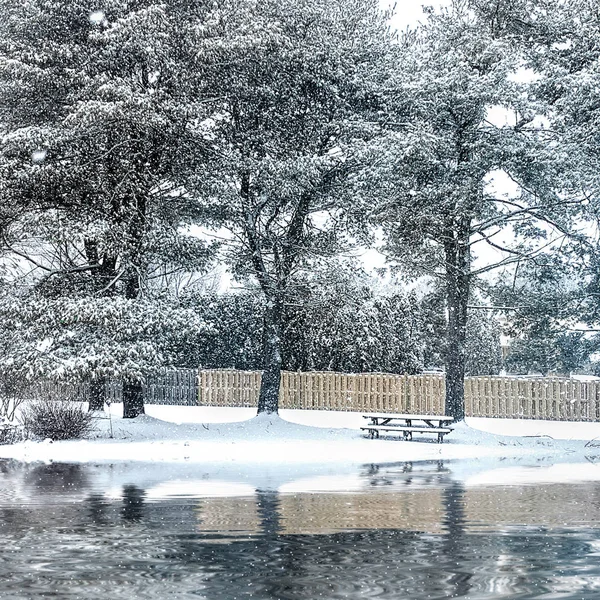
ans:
(10, 433)
(57, 420)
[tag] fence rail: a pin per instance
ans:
(327, 391)
(556, 399)
(177, 387)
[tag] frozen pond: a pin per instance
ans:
(421, 530)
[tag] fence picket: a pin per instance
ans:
(508, 397)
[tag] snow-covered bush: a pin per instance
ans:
(70, 340)
(10, 401)
(333, 321)
(57, 420)
(10, 433)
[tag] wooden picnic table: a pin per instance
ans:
(408, 424)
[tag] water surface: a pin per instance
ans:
(385, 531)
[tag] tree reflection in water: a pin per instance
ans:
(455, 543)
(133, 503)
(98, 509)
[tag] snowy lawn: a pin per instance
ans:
(559, 430)
(209, 435)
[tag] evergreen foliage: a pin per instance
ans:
(459, 118)
(327, 330)
(96, 132)
(132, 131)
(340, 322)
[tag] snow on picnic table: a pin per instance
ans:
(209, 435)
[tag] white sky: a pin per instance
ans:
(410, 12)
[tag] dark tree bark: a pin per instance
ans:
(133, 399)
(456, 249)
(133, 395)
(101, 277)
(285, 248)
(96, 402)
(268, 400)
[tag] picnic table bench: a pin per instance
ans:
(408, 424)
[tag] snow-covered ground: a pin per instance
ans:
(235, 436)
(177, 452)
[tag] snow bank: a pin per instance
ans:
(232, 436)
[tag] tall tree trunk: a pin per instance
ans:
(268, 400)
(101, 277)
(133, 395)
(96, 402)
(286, 251)
(133, 399)
(457, 296)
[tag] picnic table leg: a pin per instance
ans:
(407, 435)
(440, 438)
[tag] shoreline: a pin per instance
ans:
(227, 436)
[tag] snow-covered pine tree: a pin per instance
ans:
(546, 301)
(233, 337)
(567, 55)
(483, 354)
(559, 292)
(462, 117)
(336, 318)
(68, 338)
(341, 320)
(295, 91)
(96, 131)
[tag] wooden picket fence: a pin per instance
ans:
(549, 398)
(177, 387)
(557, 399)
(327, 391)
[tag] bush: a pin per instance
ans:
(12, 394)
(10, 434)
(57, 420)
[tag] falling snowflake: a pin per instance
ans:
(38, 156)
(97, 17)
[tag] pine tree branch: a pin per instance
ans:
(519, 257)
